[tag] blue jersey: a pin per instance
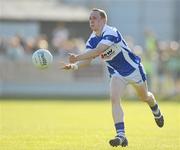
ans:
(118, 57)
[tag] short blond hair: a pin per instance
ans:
(101, 12)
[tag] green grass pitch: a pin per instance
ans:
(84, 125)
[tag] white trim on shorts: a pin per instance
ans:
(138, 76)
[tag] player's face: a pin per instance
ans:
(96, 22)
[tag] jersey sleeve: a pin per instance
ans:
(89, 45)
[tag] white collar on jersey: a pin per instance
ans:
(104, 28)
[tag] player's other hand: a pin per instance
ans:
(72, 58)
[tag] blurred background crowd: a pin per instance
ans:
(151, 38)
(17, 47)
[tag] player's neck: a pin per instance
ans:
(99, 32)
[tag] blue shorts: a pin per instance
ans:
(138, 76)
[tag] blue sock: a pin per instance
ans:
(120, 129)
(155, 110)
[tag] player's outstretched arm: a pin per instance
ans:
(89, 54)
(75, 66)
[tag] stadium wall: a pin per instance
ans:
(21, 79)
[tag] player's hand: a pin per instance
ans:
(65, 66)
(72, 58)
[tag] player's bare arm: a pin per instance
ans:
(71, 66)
(89, 54)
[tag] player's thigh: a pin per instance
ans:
(142, 90)
(117, 87)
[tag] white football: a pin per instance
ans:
(42, 58)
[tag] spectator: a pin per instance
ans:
(15, 49)
(3, 46)
(60, 37)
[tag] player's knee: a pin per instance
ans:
(143, 98)
(147, 97)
